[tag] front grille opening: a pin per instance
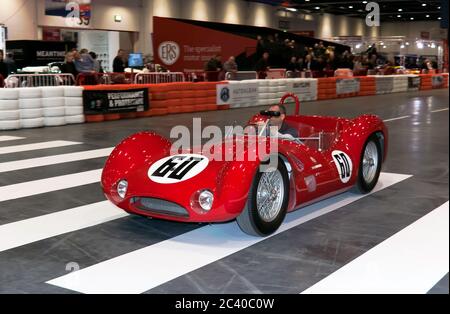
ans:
(158, 206)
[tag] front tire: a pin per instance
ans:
(370, 165)
(267, 202)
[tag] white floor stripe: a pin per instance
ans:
(440, 110)
(5, 138)
(35, 146)
(31, 230)
(147, 268)
(53, 160)
(412, 261)
(30, 188)
(399, 118)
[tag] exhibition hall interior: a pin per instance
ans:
(224, 147)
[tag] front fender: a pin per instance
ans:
(132, 153)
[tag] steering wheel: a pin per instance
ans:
(297, 102)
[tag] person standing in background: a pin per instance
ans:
(119, 63)
(84, 62)
(97, 65)
(10, 63)
(69, 66)
(3, 66)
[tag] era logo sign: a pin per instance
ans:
(179, 168)
(373, 18)
(343, 164)
(169, 52)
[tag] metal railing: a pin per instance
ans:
(39, 80)
(241, 75)
(157, 77)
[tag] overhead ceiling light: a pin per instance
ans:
(399, 15)
(424, 4)
(364, 2)
(407, 43)
(411, 18)
(402, 46)
(350, 7)
(292, 9)
(317, 8)
(307, 0)
(358, 46)
(400, 10)
(439, 8)
(420, 45)
(384, 47)
(427, 15)
(439, 18)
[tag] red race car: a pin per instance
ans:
(330, 156)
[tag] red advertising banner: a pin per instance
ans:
(183, 47)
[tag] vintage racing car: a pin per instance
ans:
(330, 156)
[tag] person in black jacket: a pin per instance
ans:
(119, 63)
(69, 66)
(293, 65)
(3, 66)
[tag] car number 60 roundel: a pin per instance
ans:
(343, 164)
(178, 168)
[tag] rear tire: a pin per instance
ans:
(370, 165)
(256, 221)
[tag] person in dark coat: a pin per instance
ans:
(120, 63)
(69, 66)
(3, 66)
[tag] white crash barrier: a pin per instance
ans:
(73, 105)
(250, 93)
(40, 106)
(386, 84)
(9, 111)
(30, 105)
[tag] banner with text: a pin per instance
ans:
(304, 90)
(348, 86)
(237, 94)
(181, 53)
(110, 101)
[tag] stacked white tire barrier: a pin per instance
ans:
(53, 103)
(9, 109)
(30, 104)
(73, 104)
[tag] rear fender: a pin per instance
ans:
(357, 132)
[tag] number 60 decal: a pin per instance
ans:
(176, 169)
(344, 165)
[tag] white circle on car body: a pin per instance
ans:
(177, 168)
(343, 164)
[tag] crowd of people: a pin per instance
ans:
(85, 61)
(288, 54)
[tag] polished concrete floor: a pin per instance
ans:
(290, 262)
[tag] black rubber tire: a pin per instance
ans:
(363, 186)
(250, 221)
